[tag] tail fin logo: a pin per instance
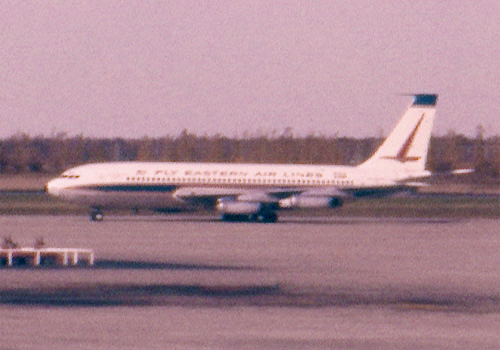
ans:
(402, 155)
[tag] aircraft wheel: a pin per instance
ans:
(231, 217)
(263, 217)
(271, 217)
(266, 217)
(96, 215)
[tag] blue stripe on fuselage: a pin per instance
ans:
(130, 188)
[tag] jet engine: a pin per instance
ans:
(239, 208)
(304, 202)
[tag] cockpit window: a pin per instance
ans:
(68, 176)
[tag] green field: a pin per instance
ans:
(23, 195)
(445, 205)
(24, 182)
(31, 203)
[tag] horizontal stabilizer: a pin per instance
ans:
(453, 172)
(462, 171)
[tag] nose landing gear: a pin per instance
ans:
(96, 215)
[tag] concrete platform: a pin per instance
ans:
(45, 256)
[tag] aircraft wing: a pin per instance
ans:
(244, 200)
(204, 196)
(187, 193)
(210, 195)
(325, 192)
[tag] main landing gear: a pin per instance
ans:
(262, 217)
(96, 215)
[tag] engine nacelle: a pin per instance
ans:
(304, 202)
(235, 207)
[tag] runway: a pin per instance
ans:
(194, 282)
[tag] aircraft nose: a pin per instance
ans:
(51, 188)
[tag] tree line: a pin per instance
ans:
(22, 153)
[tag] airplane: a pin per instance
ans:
(255, 192)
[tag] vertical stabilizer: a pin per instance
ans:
(407, 145)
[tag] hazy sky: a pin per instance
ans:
(135, 68)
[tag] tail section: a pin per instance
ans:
(407, 145)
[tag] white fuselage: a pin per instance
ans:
(155, 184)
